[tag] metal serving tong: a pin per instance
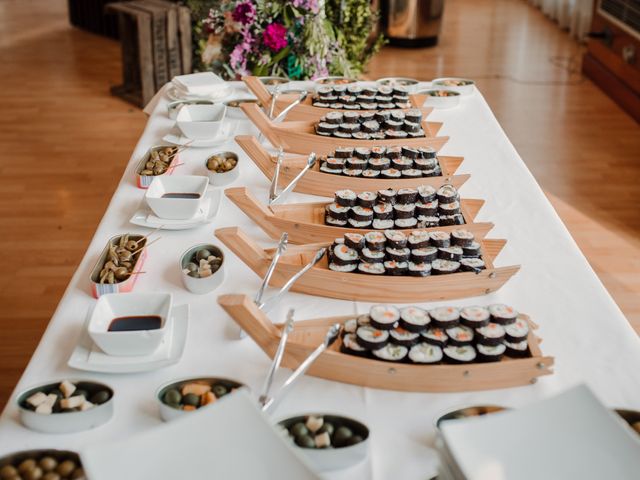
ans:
(273, 195)
(277, 358)
(269, 402)
(281, 116)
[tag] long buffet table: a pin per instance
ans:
(580, 324)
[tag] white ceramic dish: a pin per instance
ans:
(174, 107)
(201, 121)
(168, 413)
(176, 137)
(144, 216)
(176, 208)
(327, 459)
(208, 284)
(129, 343)
(87, 356)
(66, 422)
(175, 94)
(224, 178)
(467, 89)
(449, 101)
(409, 83)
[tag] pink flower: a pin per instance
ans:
(311, 5)
(244, 13)
(275, 36)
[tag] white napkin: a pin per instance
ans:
(200, 84)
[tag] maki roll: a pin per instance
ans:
(384, 317)
(419, 269)
(396, 268)
(410, 222)
(349, 326)
(440, 239)
(355, 162)
(462, 238)
(351, 172)
(367, 199)
(391, 353)
(395, 134)
(472, 265)
(517, 350)
(502, 314)
(474, 317)
(377, 136)
(418, 134)
(427, 152)
(450, 253)
(402, 163)
(426, 164)
(379, 163)
(375, 240)
(343, 152)
(342, 255)
(329, 220)
(372, 256)
(406, 195)
(335, 118)
(327, 169)
(354, 89)
(379, 224)
(427, 193)
(410, 152)
(391, 173)
(430, 172)
(428, 209)
(370, 126)
(383, 116)
(362, 153)
(383, 211)
(337, 212)
(424, 255)
(447, 194)
(359, 223)
(406, 210)
(325, 91)
(490, 353)
(351, 267)
(335, 163)
(363, 214)
(370, 173)
(351, 346)
(445, 317)
(369, 91)
(394, 152)
(349, 128)
(428, 222)
(411, 173)
(348, 117)
(371, 338)
(460, 336)
(460, 354)
(411, 127)
(400, 336)
(377, 152)
(398, 254)
(341, 134)
(413, 115)
(448, 220)
(452, 208)
(435, 336)
(425, 353)
(472, 250)
(361, 135)
(346, 198)
(418, 239)
(490, 335)
(371, 268)
(397, 115)
(387, 196)
(327, 129)
(354, 240)
(442, 267)
(395, 239)
(414, 319)
(517, 332)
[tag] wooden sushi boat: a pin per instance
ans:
(300, 136)
(315, 182)
(320, 280)
(304, 222)
(305, 110)
(341, 367)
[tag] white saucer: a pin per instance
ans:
(87, 356)
(144, 216)
(176, 137)
(173, 94)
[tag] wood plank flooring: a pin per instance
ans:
(65, 142)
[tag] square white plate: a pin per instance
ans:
(571, 435)
(144, 217)
(87, 356)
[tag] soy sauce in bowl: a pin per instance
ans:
(135, 323)
(186, 195)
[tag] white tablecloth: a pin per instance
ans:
(579, 322)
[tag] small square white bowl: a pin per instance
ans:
(201, 121)
(139, 342)
(176, 208)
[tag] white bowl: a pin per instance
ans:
(138, 342)
(176, 208)
(409, 83)
(202, 285)
(225, 178)
(461, 89)
(201, 121)
(440, 102)
(66, 422)
(327, 459)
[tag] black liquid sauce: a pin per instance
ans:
(181, 195)
(131, 324)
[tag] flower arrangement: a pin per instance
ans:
(299, 39)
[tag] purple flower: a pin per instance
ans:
(311, 5)
(275, 36)
(244, 13)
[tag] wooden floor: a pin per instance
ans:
(65, 142)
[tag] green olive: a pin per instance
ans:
(299, 429)
(219, 390)
(48, 464)
(35, 474)
(305, 441)
(192, 267)
(341, 435)
(51, 476)
(65, 468)
(7, 472)
(326, 427)
(353, 440)
(78, 474)
(172, 397)
(191, 399)
(203, 254)
(100, 397)
(27, 465)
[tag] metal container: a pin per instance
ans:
(412, 23)
(208, 284)
(143, 181)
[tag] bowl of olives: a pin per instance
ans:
(180, 397)
(222, 168)
(66, 406)
(202, 268)
(466, 412)
(330, 442)
(41, 464)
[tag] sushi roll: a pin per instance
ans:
(363, 320)
(367, 116)
(362, 153)
(375, 240)
(503, 314)
(377, 152)
(395, 135)
(391, 173)
(392, 125)
(351, 267)
(332, 98)
(450, 253)
(371, 338)
(402, 163)
(337, 212)
(372, 256)
(395, 239)
(352, 172)
(382, 116)
(472, 250)
(335, 222)
(391, 353)
(335, 118)
(460, 335)
(440, 239)
(320, 104)
(398, 254)
(449, 220)
(459, 354)
(516, 332)
(490, 353)
(370, 173)
(428, 222)
(462, 238)
(410, 152)
(377, 136)
(517, 349)
(369, 91)
(400, 336)
(384, 99)
(343, 255)
(335, 162)
(394, 152)
(442, 267)
(367, 199)
(384, 317)
(339, 89)
(396, 268)
(379, 163)
(426, 164)
(370, 126)
(472, 264)
(402, 104)
(346, 198)
(424, 255)
(411, 173)
(354, 240)
(385, 90)
(419, 269)
(363, 214)
(397, 115)
(418, 239)
(406, 210)
(324, 128)
(336, 105)
(418, 134)
(351, 346)
(347, 99)
(452, 208)
(427, 209)
(426, 193)
(414, 319)
(324, 91)
(435, 336)
(349, 326)
(427, 152)
(445, 317)
(406, 195)
(411, 127)
(387, 196)
(379, 224)
(447, 194)
(383, 211)
(425, 353)
(371, 268)
(433, 172)
(343, 152)
(342, 135)
(354, 89)
(405, 223)
(474, 317)
(349, 128)
(325, 168)
(361, 135)
(413, 115)
(355, 162)
(491, 335)
(359, 223)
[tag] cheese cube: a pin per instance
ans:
(44, 409)
(72, 402)
(37, 399)
(322, 440)
(86, 406)
(67, 388)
